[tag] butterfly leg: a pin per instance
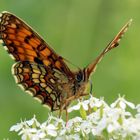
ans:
(84, 94)
(67, 117)
(75, 97)
(61, 109)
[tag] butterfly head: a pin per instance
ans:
(80, 83)
(80, 76)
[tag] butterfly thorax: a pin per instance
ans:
(74, 89)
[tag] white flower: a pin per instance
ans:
(137, 116)
(56, 121)
(28, 133)
(102, 124)
(121, 102)
(97, 119)
(138, 108)
(69, 137)
(94, 102)
(80, 104)
(138, 111)
(16, 127)
(49, 129)
(108, 123)
(74, 120)
(33, 122)
(96, 116)
(73, 125)
(86, 127)
(41, 134)
(130, 126)
(73, 137)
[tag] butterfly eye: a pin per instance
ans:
(79, 76)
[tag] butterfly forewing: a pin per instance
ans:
(26, 45)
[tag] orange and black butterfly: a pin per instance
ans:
(41, 71)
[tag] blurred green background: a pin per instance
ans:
(78, 30)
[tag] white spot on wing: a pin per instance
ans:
(3, 12)
(1, 41)
(12, 56)
(5, 47)
(21, 86)
(29, 92)
(37, 99)
(13, 68)
(46, 106)
(16, 79)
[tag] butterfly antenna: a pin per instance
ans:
(113, 44)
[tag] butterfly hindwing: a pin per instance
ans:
(43, 83)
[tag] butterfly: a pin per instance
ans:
(39, 70)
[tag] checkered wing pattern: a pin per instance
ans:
(39, 70)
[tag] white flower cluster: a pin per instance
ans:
(97, 120)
